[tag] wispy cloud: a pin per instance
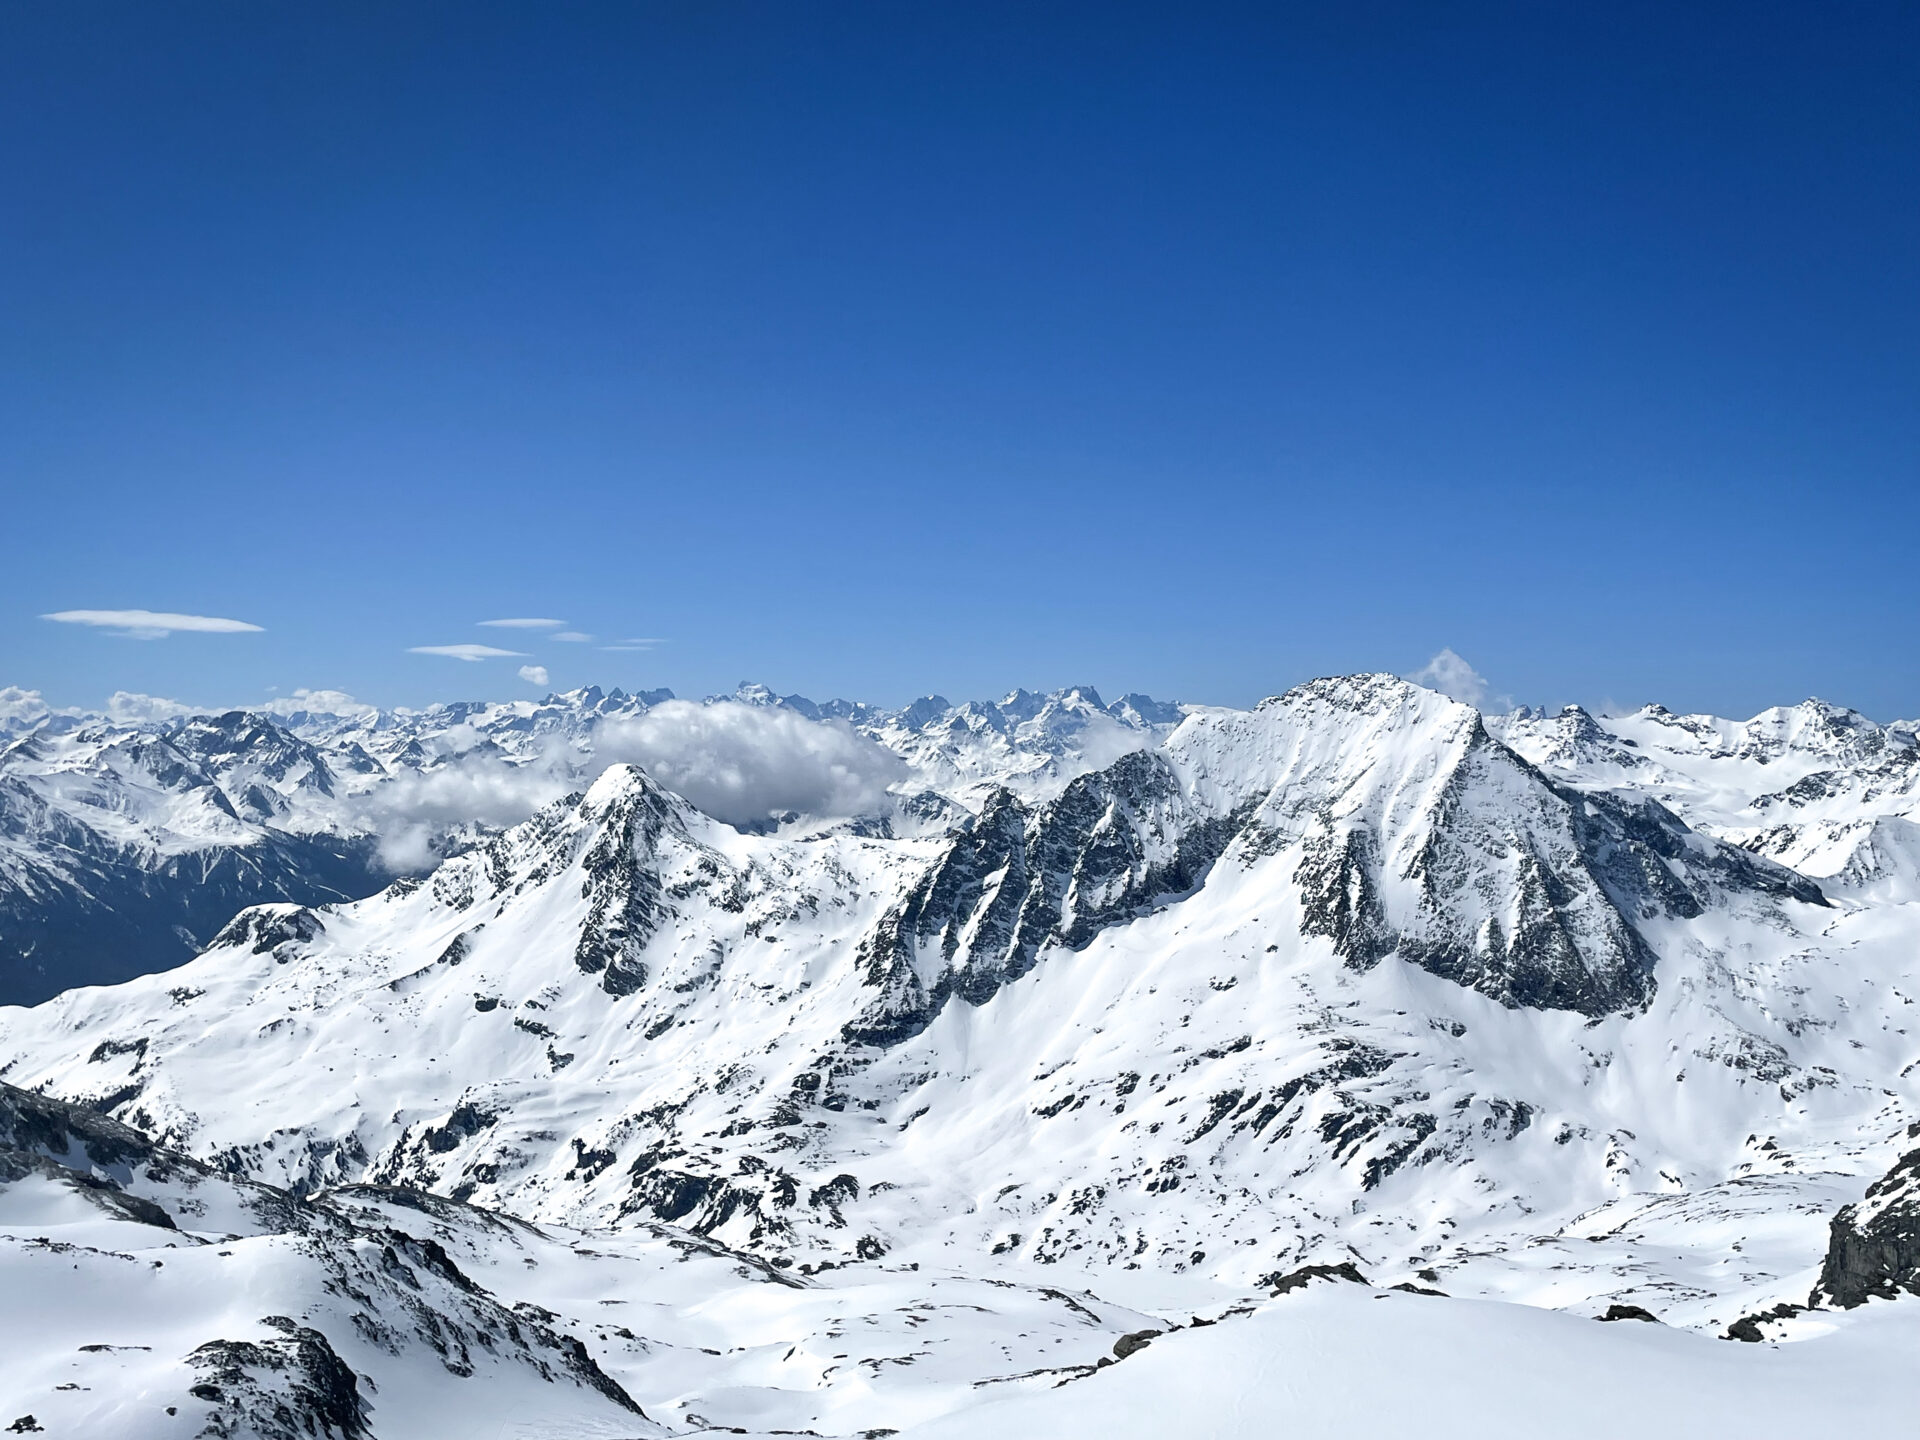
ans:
(524, 624)
(573, 637)
(150, 624)
(467, 652)
(641, 644)
(1454, 677)
(534, 674)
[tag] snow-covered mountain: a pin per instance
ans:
(1820, 788)
(1583, 1012)
(124, 847)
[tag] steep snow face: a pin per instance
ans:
(1341, 976)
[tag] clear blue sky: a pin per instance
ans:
(880, 349)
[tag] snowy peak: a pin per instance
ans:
(1414, 832)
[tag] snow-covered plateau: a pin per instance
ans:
(1358, 1064)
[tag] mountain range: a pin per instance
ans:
(1011, 1040)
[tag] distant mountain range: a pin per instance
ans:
(125, 847)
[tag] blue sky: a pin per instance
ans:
(874, 350)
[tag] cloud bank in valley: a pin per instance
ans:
(741, 764)
(744, 763)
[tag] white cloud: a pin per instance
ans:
(573, 637)
(1452, 676)
(318, 702)
(20, 707)
(738, 763)
(467, 652)
(524, 624)
(480, 790)
(641, 644)
(744, 763)
(534, 674)
(129, 707)
(150, 624)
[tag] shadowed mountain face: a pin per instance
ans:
(99, 913)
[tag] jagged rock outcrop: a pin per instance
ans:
(1191, 1008)
(621, 884)
(1019, 878)
(1873, 1250)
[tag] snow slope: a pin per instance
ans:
(1342, 1360)
(170, 1300)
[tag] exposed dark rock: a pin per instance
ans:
(1299, 1279)
(1873, 1248)
(1630, 1312)
(1749, 1327)
(290, 1386)
(1129, 1344)
(1110, 847)
(264, 927)
(622, 888)
(466, 1121)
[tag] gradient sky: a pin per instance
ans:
(883, 349)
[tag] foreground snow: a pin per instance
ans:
(145, 1296)
(1341, 1361)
